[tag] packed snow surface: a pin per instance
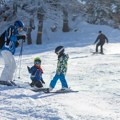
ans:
(97, 77)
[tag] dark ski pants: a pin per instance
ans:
(62, 80)
(36, 83)
(101, 47)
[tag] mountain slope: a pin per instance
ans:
(95, 76)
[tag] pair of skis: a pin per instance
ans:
(46, 90)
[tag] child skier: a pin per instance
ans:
(61, 69)
(36, 74)
(10, 40)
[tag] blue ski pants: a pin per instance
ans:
(62, 80)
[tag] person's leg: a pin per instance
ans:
(63, 81)
(54, 81)
(32, 83)
(7, 73)
(38, 84)
(12, 67)
(6, 70)
(98, 44)
(101, 46)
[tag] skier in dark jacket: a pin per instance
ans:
(101, 39)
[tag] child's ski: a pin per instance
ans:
(46, 90)
(40, 89)
(62, 91)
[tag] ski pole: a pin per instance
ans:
(20, 58)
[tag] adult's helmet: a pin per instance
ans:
(37, 60)
(19, 24)
(100, 31)
(59, 50)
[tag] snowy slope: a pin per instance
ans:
(95, 76)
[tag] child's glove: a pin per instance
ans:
(28, 69)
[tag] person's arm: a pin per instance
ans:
(31, 69)
(23, 37)
(58, 70)
(9, 34)
(28, 69)
(96, 39)
(10, 31)
(106, 39)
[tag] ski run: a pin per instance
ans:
(96, 77)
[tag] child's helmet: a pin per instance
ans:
(59, 50)
(37, 60)
(19, 24)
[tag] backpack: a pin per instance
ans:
(2, 40)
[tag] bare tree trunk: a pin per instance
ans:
(40, 16)
(39, 34)
(29, 30)
(29, 39)
(65, 21)
(14, 8)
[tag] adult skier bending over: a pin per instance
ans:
(61, 69)
(101, 39)
(11, 39)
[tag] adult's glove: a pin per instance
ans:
(23, 37)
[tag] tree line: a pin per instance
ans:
(105, 12)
